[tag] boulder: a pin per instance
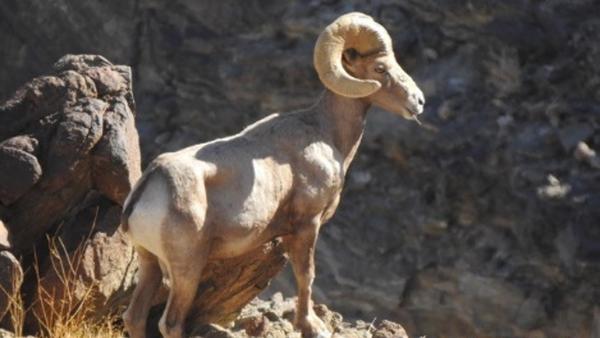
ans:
(11, 278)
(69, 155)
(94, 265)
(19, 167)
(116, 157)
(82, 117)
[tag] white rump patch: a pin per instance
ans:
(148, 215)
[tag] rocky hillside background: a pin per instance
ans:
(482, 222)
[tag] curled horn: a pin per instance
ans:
(356, 31)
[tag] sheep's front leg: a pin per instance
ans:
(301, 251)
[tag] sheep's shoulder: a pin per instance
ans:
(318, 178)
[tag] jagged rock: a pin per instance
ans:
(82, 119)
(80, 63)
(19, 168)
(460, 300)
(71, 156)
(388, 329)
(584, 153)
(273, 318)
(226, 286)
(75, 135)
(11, 277)
(40, 97)
(554, 189)
(116, 156)
(96, 261)
(230, 284)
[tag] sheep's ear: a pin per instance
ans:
(350, 55)
(349, 60)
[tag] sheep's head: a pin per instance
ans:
(354, 58)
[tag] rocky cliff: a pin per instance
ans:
(483, 222)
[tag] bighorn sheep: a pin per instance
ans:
(280, 176)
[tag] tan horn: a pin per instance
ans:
(354, 30)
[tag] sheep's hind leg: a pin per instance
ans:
(184, 274)
(301, 251)
(149, 279)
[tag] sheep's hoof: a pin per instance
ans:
(312, 326)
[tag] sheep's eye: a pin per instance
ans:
(380, 69)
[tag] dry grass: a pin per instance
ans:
(16, 307)
(66, 311)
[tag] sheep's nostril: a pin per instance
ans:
(421, 101)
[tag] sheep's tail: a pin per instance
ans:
(134, 197)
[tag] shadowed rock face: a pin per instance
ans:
(69, 156)
(65, 135)
(431, 217)
(11, 277)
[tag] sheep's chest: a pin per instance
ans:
(319, 182)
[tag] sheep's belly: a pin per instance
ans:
(233, 247)
(245, 212)
(239, 234)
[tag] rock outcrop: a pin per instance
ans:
(68, 157)
(273, 318)
(225, 288)
(59, 132)
(11, 278)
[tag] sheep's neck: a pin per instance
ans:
(344, 121)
